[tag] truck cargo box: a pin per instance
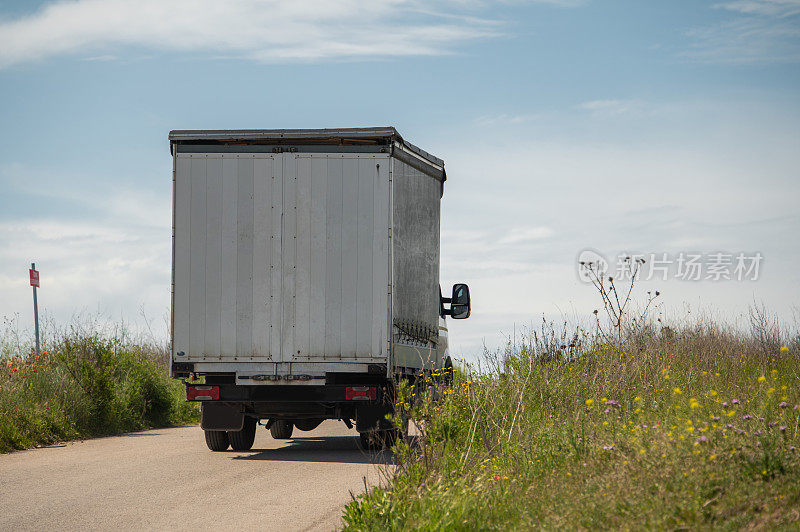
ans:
(304, 252)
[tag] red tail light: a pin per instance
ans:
(362, 393)
(202, 393)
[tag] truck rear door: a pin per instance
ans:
(280, 257)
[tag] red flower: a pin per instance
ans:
(15, 369)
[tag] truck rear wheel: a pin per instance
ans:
(217, 440)
(281, 429)
(242, 440)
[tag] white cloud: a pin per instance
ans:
(506, 119)
(780, 8)
(526, 234)
(115, 259)
(765, 31)
(704, 177)
(610, 107)
(261, 30)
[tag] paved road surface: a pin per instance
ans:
(168, 479)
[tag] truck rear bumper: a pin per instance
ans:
(289, 394)
(225, 406)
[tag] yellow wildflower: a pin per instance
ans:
(762, 378)
(589, 402)
(784, 349)
(677, 391)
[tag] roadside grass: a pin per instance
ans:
(87, 382)
(695, 428)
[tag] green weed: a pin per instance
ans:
(695, 429)
(87, 384)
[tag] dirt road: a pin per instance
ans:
(168, 479)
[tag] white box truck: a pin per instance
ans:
(305, 277)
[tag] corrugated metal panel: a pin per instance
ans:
(415, 241)
(180, 269)
(213, 255)
(263, 183)
(281, 257)
(342, 227)
(229, 273)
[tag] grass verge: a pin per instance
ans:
(693, 429)
(87, 384)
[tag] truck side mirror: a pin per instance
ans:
(460, 307)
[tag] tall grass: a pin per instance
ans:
(695, 427)
(88, 381)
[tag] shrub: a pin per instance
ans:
(87, 383)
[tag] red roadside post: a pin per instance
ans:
(35, 284)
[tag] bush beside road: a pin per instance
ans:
(85, 384)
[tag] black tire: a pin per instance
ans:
(242, 440)
(281, 429)
(217, 440)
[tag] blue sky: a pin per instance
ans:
(619, 126)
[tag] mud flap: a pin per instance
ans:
(222, 416)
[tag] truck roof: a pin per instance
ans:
(336, 136)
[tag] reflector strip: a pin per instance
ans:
(202, 393)
(360, 393)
